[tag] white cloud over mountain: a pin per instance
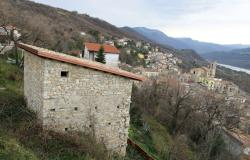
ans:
(219, 21)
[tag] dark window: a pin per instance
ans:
(109, 123)
(118, 106)
(76, 108)
(95, 107)
(66, 129)
(90, 126)
(53, 110)
(64, 73)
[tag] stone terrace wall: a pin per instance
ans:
(89, 101)
(33, 82)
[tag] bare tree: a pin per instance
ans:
(194, 113)
(6, 35)
(168, 101)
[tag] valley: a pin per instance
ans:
(77, 87)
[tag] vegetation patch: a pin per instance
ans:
(10, 148)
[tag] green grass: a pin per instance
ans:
(133, 154)
(11, 77)
(160, 135)
(10, 149)
(155, 142)
(143, 140)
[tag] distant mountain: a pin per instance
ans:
(132, 32)
(184, 43)
(160, 38)
(237, 57)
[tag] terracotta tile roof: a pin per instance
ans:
(244, 139)
(75, 52)
(107, 48)
(205, 69)
(44, 53)
(8, 27)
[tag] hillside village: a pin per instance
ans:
(151, 62)
(93, 85)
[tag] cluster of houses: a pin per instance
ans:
(206, 77)
(160, 62)
(238, 141)
(8, 31)
(155, 60)
(7, 43)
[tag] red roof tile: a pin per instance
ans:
(8, 27)
(44, 53)
(75, 52)
(107, 48)
(244, 139)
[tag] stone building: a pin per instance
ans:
(204, 72)
(237, 143)
(228, 88)
(73, 94)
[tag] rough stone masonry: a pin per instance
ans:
(68, 97)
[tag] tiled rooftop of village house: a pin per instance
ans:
(45, 53)
(107, 48)
(244, 139)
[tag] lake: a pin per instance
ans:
(235, 68)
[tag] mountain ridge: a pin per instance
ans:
(184, 43)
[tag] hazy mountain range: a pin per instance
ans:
(184, 43)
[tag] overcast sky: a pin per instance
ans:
(219, 21)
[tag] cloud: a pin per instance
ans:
(226, 23)
(134, 12)
(221, 21)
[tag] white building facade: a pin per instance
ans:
(111, 53)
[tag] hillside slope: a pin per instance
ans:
(52, 27)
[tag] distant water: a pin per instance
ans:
(235, 68)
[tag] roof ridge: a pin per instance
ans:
(45, 53)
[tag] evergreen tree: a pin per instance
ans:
(100, 57)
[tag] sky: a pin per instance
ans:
(218, 21)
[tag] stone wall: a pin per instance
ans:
(232, 145)
(85, 100)
(33, 82)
